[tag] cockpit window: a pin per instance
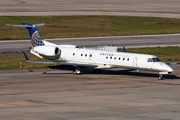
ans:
(149, 60)
(156, 60)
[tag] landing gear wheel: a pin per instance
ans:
(77, 71)
(160, 77)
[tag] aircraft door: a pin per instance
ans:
(149, 63)
(135, 62)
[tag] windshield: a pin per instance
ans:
(156, 60)
(149, 60)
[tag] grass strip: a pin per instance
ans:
(87, 26)
(12, 61)
(166, 54)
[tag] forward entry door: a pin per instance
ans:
(135, 62)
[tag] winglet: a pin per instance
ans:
(124, 49)
(25, 56)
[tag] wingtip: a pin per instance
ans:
(124, 49)
(25, 56)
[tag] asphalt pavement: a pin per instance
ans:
(153, 8)
(15, 46)
(47, 94)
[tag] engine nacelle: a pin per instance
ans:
(48, 52)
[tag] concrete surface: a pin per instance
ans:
(50, 94)
(13, 46)
(47, 94)
(154, 8)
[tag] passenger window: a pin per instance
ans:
(149, 60)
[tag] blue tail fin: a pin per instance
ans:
(36, 38)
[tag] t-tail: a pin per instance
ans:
(41, 48)
(36, 38)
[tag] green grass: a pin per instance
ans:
(87, 26)
(164, 53)
(12, 61)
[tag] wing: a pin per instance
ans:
(60, 63)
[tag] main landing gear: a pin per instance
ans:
(77, 71)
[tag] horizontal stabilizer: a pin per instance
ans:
(27, 25)
(41, 24)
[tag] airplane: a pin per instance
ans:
(90, 59)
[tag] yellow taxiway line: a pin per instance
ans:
(155, 14)
(21, 2)
(106, 13)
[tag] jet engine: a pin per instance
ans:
(48, 52)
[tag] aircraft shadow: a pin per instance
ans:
(137, 74)
(130, 72)
(62, 67)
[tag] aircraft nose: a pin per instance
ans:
(169, 69)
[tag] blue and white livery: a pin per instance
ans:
(36, 39)
(89, 58)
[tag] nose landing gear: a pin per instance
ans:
(160, 77)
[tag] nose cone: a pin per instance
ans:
(168, 68)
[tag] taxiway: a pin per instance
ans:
(15, 46)
(46, 94)
(153, 8)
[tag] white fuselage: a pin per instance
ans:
(94, 59)
(106, 59)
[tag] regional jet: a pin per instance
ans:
(91, 59)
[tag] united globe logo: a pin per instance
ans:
(36, 39)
